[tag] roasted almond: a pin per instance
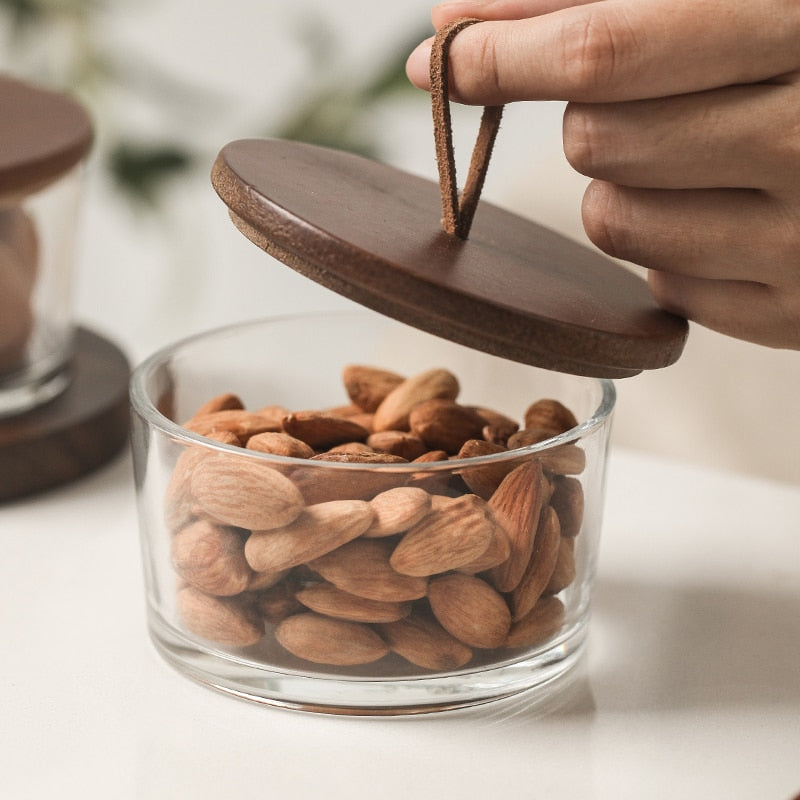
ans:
(500, 425)
(397, 510)
(317, 530)
(444, 424)
(210, 556)
(230, 621)
(564, 570)
(222, 402)
(178, 498)
(329, 600)
(277, 443)
(568, 501)
(392, 414)
(540, 567)
(368, 386)
(321, 431)
(450, 537)
(362, 567)
(244, 492)
(324, 640)
(318, 484)
(279, 601)
(240, 422)
(517, 505)
(422, 641)
(551, 415)
(565, 459)
(541, 623)
(399, 443)
(483, 479)
(496, 553)
(469, 609)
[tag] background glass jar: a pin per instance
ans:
(43, 146)
(458, 572)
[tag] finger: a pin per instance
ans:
(741, 136)
(497, 9)
(620, 50)
(720, 234)
(745, 310)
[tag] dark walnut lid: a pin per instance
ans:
(514, 289)
(43, 134)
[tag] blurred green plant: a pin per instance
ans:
(332, 112)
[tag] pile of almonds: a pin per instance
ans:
(345, 566)
(18, 267)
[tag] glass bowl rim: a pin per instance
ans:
(144, 408)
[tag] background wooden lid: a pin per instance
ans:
(43, 134)
(372, 233)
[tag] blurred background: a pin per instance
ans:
(168, 82)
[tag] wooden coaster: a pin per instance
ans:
(77, 432)
(515, 289)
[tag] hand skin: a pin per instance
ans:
(686, 115)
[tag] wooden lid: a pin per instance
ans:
(43, 134)
(515, 289)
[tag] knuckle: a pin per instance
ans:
(596, 47)
(581, 139)
(604, 219)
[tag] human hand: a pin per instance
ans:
(686, 115)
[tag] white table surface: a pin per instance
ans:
(690, 687)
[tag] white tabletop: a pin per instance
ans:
(690, 688)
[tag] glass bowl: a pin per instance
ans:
(340, 513)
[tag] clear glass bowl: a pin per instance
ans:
(364, 587)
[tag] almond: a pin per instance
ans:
(363, 568)
(528, 436)
(396, 510)
(448, 538)
(319, 484)
(350, 447)
(399, 443)
(568, 502)
(444, 424)
(422, 641)
(540, 567)
(278, 602)
(565, 459)
(322, 430)
(228, 621)
(178, 499)
(469, 609)
(260, 581)
(541, 623)
(551, 415)
(329, 600)
(222, 402)
(500, 425)
(324, 640)
(368, 386)
(244, 492)
(243, 424)
(210, 557)
(564, 570)
(496, 553)
(392, 413)
(317, 530)
(279, 444)
(484, 479)
(517, 505)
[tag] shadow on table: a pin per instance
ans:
(683, 647)
(661, 648)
